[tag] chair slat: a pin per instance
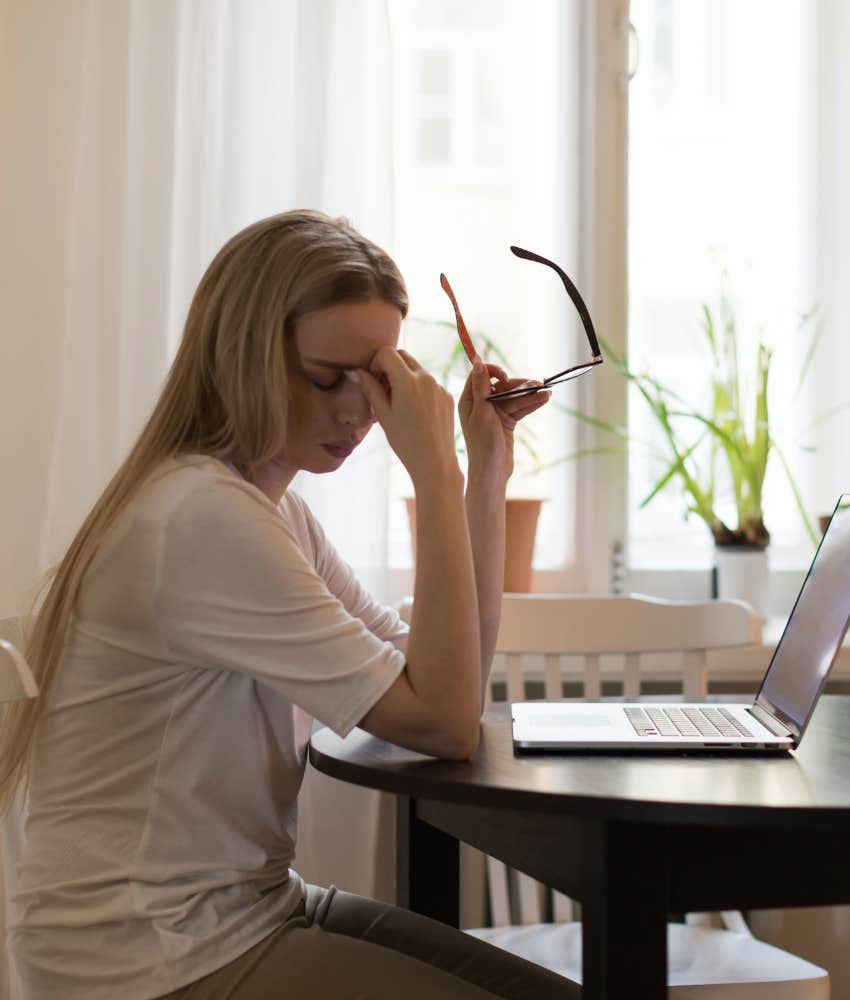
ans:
(631, 675)
(562, 908)
(530, 895)
(516, 684)
(552, 663)
(592, 676)
(695, 673)
(497, 884)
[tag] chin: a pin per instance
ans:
(323, 464)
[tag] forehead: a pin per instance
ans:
(348, 334)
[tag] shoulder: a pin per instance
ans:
(193, 478)
(295, 508)
(201, 494)
(296, 513)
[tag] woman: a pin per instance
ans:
(199, 622)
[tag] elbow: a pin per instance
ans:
(463, 743)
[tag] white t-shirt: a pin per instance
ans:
(211, 628)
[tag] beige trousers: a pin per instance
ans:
(338, 946)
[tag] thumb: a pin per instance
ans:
(480, 380)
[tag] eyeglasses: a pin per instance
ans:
(567, 373)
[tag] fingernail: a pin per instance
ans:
(478, 366)
(353, 375)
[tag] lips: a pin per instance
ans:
(340, 449)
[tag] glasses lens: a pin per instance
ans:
(522, 390)
(528, 390)
(571, 373)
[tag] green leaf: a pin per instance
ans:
(796, 492)
(581, 453)
(810, 353)
(676, 467)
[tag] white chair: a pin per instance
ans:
(16, 684)
(557, 645)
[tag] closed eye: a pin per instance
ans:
(327, 387)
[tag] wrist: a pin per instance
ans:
(487, 476)
(442, 482)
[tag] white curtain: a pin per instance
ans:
(137, 136)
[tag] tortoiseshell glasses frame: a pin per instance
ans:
(584, 314)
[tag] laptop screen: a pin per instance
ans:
(815, 627)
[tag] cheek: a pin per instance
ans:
(299, 412)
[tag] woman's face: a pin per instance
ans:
(328, 413)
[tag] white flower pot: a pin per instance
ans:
(742, 575)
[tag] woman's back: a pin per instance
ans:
(162, 797)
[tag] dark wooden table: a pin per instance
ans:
(633, 838)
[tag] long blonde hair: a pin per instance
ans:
(224, 396)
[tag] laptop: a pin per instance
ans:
(776, 720)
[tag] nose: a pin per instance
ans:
(353, 408)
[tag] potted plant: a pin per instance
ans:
(522, 512)
(719, 451)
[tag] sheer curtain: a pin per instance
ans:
(139, 135)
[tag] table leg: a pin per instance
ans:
(427, 866)
(624, 913)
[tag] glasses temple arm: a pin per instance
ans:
(572, 291)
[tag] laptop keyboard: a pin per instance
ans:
(685, 721)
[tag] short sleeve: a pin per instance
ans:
(235, 592)
(341, 579)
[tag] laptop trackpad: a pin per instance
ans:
(572, 719)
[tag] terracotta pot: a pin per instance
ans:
(520, 527)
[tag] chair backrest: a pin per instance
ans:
(16, 684)
(585, 639)
(16, 679)
(548, 640)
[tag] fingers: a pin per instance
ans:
(387, 373)
(388, 361)
(504, 385)
(409, 359)
(376, 391)
(479, 380)
(388, 366)
(521, 406)
(477, 386)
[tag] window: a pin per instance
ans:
(716, 171)
(510, 127)
(485, 120)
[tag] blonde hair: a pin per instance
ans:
(225, 396)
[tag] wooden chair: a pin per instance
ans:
(558, 645)
(16, 684)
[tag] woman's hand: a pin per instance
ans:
(488, 428)
(415, 411)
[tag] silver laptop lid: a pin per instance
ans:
(814, 631)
